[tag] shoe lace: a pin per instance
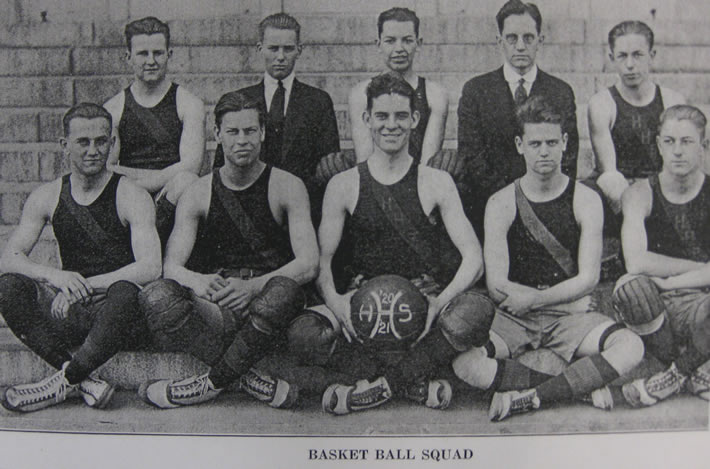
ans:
(194, 388)
(369, 396)
(92, 385)
(55, 387)
(525, 401)
(672, 378)
(259, 384)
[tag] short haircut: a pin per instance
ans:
(684, 112)
(537, 110)
(148, 25)
(236, 101)
(630, 27)
(389, 83)
(85, 111)
(402, 15)
(280, 21)
(516, 7)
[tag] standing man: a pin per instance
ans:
(404, 219)
(398, 41)
(487, 124)
(623, 119)
(542, 254)
(105, 228)
(665, 298)
(300, 123)
(159, 124)
(243, 243)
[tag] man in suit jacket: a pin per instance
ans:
(486, 113)
(300, 122)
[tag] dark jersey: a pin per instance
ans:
(220, 244)
(679, 230)
(150, 137)
(91, 238)
(421, 104)
(378, 248)
(634, 135)
(530, 262)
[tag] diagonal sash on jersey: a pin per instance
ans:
(399, 218)
(246, 226)
(687, 235)
(541, 234)
(155, 126)
(103, 242)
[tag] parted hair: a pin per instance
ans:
(85, 111)
(148, 25)
(389, 83)
(280, 21)
(630, 27)
(684, 112)
(516, 7)
(537, 110)
(236, 101)
(402, 15)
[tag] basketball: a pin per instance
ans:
(388, 312)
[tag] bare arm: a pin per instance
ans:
(600, 116)
(357, 105)
(192, 144)
(136, 208)
(636, 203)
(434, 134)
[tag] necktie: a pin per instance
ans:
(276, 124)
(520, 94)
(276, 111)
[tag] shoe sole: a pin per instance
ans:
(105, 399)
(143, 390)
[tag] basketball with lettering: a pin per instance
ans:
(388, 312)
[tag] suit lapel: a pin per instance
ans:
(293, 118)
(503, 91)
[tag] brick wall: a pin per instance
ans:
(77, 54)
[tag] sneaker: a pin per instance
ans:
(505, 404)
(35, 396)
(276, 392)
(699, 382)
(435, 394)
(647, 392)
(169, 394)
(601, 398)
(340, 399)
(96, 392)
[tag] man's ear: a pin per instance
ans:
(63, 143)
(415, 119)
(366, 119)
(259, 46)
(519, 144)
(565, 139)
(170, 53)
(652, 53)
(262, 128)
(541, 38)
(216, 134)
(420, 41)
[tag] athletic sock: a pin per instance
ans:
(690, 360)
(578, 379)
(512, 375)
(248, 347)
(661, 344)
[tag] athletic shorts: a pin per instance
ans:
(685, 308)
(560, 331)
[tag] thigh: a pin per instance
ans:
(685, 309)
(565, 335)
(80, 317)
(514, 332)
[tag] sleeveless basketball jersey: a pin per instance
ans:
(78, 249)
(530, 262)
(378, 249)
(634, 135)
(150, 137)
(221, 245)
(421, 104)
(679, 230)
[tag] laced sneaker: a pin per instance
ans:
(662, 385)
(96, 392)
(340, 399)
(601, 398)
(435, 394)
(275, 392)
(169, 394)
(505, 404)
(699, 382)
(35, 396)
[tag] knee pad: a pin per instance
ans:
(638, 304)
(332, 164)
(311, 338)
(15, 291)
(466, 320)
(273, 308)
(700, 335)
(167, 308)
(123, 289)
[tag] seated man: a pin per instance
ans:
(243, 243)
(665, 298)
(403, 219)
(542, 256)
(105, 228)
(160, 125)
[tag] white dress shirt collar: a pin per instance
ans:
(513, 77)
(270, 86)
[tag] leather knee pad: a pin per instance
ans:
(311, 338)
(16, 290)
(638, 304)
(168, 311)
(272, 309)
(466, 320)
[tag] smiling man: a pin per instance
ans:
(243, 244)
(623, 119)
(665, 298)
(542, 257)
(108, 245)
(487, 124)
(159, 125)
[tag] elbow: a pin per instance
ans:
(311, 270)
(634, 266)
(153, 270)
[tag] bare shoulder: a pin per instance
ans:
(602, 104)
(187, 102)
(637, 197)
(436, 94)
(43, 200)
(344, 183)
(503, 198)
(286, 182)
(586, 201)
(436, 179)
(671, 97)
